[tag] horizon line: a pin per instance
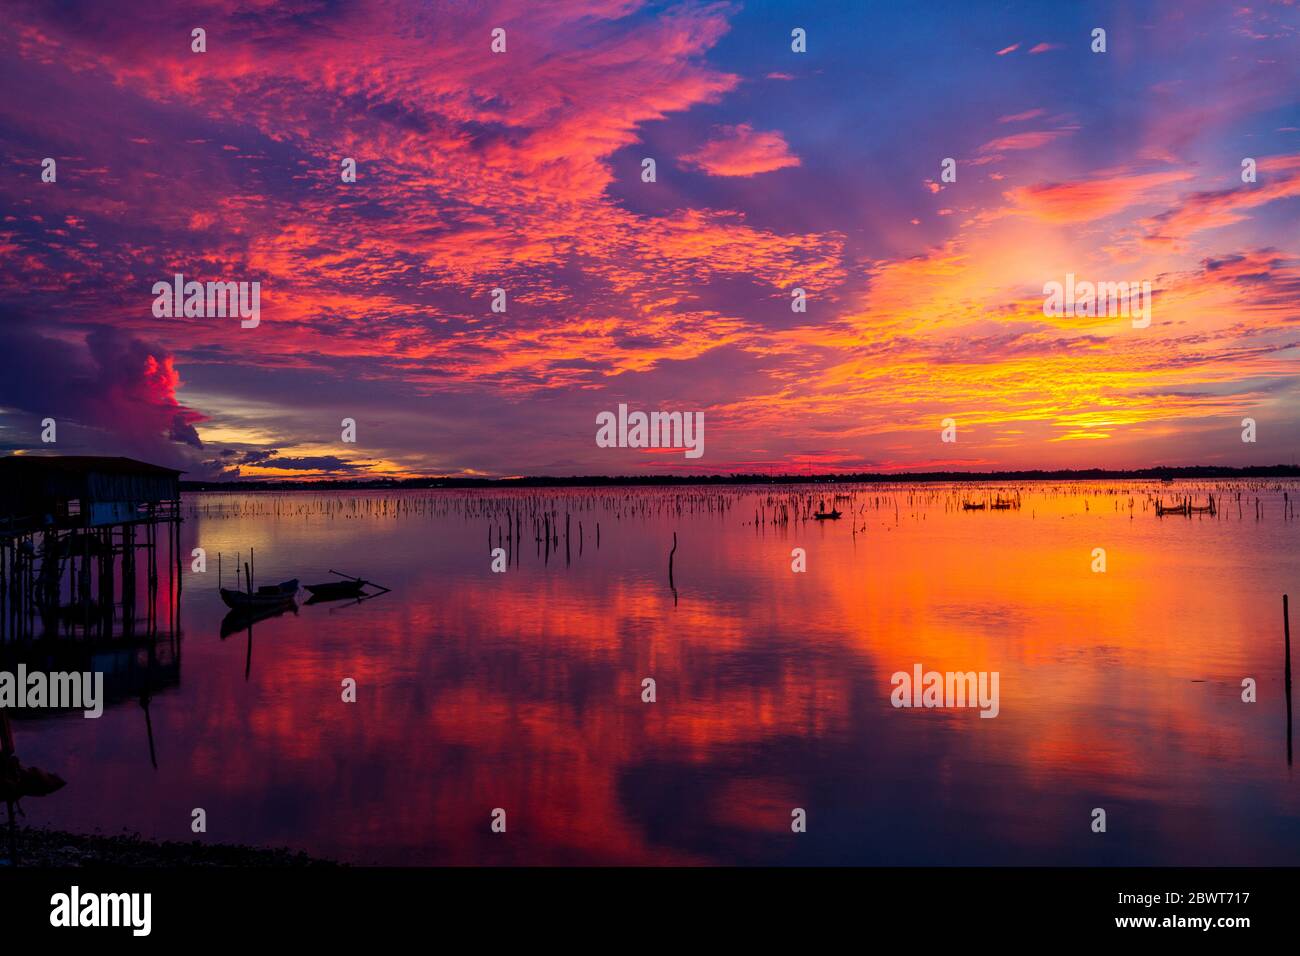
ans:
(754, 478)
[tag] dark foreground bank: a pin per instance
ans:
(38, 847)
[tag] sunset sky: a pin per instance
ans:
(775, 170)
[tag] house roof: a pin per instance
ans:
(82, 464)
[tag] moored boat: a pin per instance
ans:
(331, 590)
(270, 595)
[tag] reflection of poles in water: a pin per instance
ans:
(146, 695)
(670, 569)
(1286, 638)
(248, 659)
(8, 770)
(148, 726)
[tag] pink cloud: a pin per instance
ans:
(1021, 117)
(1008, 49)
(1279, 178)
(1089, 199)
(742, 151)
(1031, 140)
(1044, 47)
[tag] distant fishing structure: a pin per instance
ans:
(1185, 508)
(999, 503)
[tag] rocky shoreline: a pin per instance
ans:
(40, 847)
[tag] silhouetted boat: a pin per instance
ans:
(350, 587)
(972, 506)
(827, 515)
(268, 596)
(334, 590)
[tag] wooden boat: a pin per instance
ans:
(271, 595)
(972, 506)
(828, 515)
(333, 590)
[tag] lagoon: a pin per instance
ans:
(522, 690)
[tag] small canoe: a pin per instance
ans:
(332, 590)
(270, 595)
(828, 515)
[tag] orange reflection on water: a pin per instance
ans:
(523, 690)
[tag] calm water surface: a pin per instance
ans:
(522, 690)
